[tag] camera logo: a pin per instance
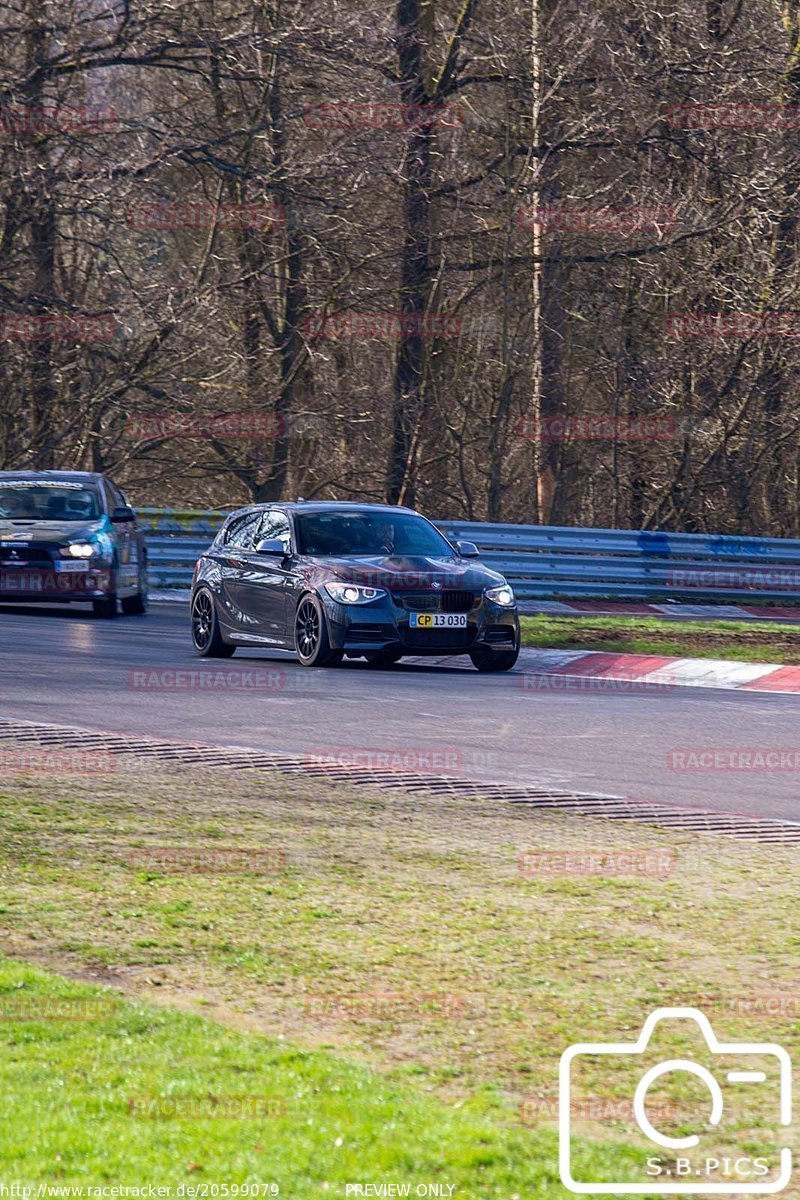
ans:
(684, 1167)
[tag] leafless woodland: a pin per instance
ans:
(447, 251)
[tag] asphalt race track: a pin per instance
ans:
(64, 667)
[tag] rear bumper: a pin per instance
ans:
(362, 629)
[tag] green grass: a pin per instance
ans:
(399, 985)
(68, 1116)
(742, 641)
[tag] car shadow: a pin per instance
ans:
(450, 667)
(43, 610)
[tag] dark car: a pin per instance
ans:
(366, 581)
(70, 535)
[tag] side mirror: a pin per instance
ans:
(272, 546)
(468, 550)
(122, 516)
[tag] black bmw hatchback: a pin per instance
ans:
(330, 580)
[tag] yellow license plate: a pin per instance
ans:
(438, 620)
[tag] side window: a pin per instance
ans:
(276, 525)
(243, 533)
(115, 497)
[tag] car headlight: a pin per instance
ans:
(353, 593)
(80, 550)
(502, 595)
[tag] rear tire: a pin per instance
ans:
(493, 660)
(311, 639)
(106, 608)
(206, 636)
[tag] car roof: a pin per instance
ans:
(54, 476)
(347, 505)
(322, 506)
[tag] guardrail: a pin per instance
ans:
(548, 562)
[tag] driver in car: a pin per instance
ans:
(79, 508)
(11, 506)
(385, 531)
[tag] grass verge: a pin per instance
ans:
(743, 641)
(96, 1100)
(401, 972)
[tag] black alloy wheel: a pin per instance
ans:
(206, 635)
(311, 636)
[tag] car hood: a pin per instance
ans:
(404, 573)
(51, 532)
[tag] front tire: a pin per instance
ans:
(311, 638)
(493, 660)
(206, 636)
(136, 606)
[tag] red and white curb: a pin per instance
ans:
(614, 608)
(586, 670)
(594, 670)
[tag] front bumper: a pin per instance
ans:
(32, 583)
(359, 629)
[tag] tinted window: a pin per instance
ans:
(243, 532)
(31, 500)
(369, 534)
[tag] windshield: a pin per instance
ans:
(369, 535)
(32, 500)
